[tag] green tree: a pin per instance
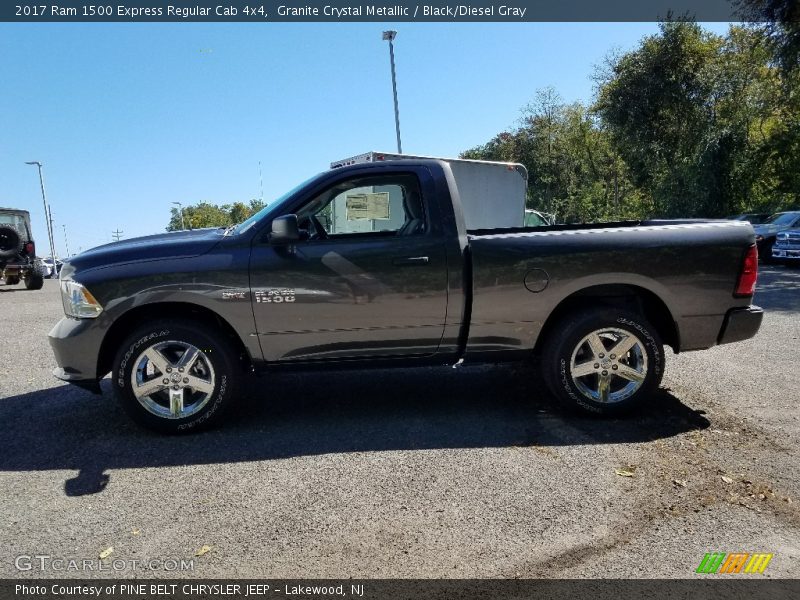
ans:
(656, 103)
(701, 122)
(688, 124)
(779, 21)
(205, 214)
(573, 171)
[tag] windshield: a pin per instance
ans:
(782, 219)
(274, 208)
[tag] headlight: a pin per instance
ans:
(78, 301)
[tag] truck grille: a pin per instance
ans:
(790, 241)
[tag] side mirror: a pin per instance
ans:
(285, 230)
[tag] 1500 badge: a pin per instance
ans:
(234, 295)
(275, 296)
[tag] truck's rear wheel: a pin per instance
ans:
(176, 376)
(11, 280)
(604, 361)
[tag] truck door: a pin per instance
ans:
(367, 279)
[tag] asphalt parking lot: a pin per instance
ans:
(409, 473)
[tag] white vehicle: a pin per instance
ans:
(479, 183)
(47, 267)
(535, 218)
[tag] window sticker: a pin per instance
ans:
(367, 206)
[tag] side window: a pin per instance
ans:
(378, 206)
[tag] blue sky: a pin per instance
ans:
(127, 118)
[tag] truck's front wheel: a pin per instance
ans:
(603, 361)
(176, 376)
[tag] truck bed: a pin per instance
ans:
(521, 275)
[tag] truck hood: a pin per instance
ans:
(177, 244)
(768, 229)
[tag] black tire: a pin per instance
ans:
(217, 365)
(11, 241)
(568, 346)
(767, 254)
(34, 281)
(11, 280)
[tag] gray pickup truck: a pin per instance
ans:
(372, 264)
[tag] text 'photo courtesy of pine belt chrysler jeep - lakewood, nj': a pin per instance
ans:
(400, 260)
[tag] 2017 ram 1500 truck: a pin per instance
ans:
(179, 318)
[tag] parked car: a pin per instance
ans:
(47, 265)
(786, 249)
(535, 218)
(18, 260)
(767, 231)
(179, 318)
(752, 218)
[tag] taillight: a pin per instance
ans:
(748, 275)
(30, 249)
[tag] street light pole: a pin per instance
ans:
(389, 36)
(181, 212)
(46, 211)
(66, 243)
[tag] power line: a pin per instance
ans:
(117, 235)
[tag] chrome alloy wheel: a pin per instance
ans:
(609, 365)
(172, 380)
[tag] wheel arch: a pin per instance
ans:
(141, 314)
(628, 296)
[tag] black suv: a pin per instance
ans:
(17, 251)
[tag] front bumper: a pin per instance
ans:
(786, 253)
(76, 345)
(740, 324)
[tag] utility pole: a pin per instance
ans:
(261, 184)
(47, 220)
(50, 218)
(389, 36)
(117, 234)
(54, 272)
(180, 208)
(66, 243)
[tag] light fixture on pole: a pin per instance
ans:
(46, 210)
(181, 213)
(389, 36)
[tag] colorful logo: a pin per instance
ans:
(735, 562)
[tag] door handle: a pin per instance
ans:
(408, 261)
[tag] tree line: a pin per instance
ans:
(205, 214)
(688, 124)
